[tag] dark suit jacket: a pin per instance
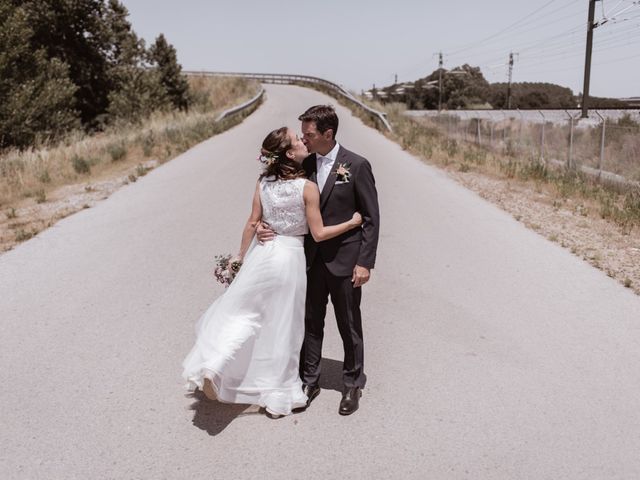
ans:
(338, 203)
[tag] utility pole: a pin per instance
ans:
(440, 65)
(510, 77)
(587, 59)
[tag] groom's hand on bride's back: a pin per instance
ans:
(264, 233)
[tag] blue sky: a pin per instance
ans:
(358, 43)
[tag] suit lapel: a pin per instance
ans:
(331, 180)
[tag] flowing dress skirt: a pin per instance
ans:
(248, 341)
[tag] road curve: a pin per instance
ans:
(491, 352)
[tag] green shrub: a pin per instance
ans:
(80, 165)
(41, 196)
(148, 142)
(44, 176)
(141, 171)
(117, 151)
(22, 235)
(534, 170)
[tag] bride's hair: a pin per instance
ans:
(274, 156)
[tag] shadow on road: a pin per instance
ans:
(213, 417)
(331, 377)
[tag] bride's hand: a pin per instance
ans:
(235, 263)
(356, 220)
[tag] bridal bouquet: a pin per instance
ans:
(226, 270)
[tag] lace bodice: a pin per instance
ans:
(283, 206)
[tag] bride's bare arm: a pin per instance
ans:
(250, 227)
(319, 232)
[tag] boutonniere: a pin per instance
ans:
(342, 172)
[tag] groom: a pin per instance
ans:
(337, 268)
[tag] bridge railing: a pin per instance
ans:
(288, 79)
(238, 108)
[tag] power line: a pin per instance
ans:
(576, 67)
(522, 47)
(517, 22)
(545, 44)
(572, 49)
(533, 23)
(552, 47)
(535, 28)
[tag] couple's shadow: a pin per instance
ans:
(213, 417)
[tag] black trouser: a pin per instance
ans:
(346, 304)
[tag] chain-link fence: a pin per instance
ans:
(604, 147)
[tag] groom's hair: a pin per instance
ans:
(324, 117)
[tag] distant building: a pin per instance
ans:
(375, 94)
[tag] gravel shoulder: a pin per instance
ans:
(573, 224)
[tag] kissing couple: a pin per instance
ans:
(312, 234)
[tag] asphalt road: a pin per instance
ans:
(491, 352)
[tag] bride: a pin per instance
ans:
(248, 341)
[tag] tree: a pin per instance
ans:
(73, 31)
(532, 95)
(36, 94)
(163, 55)
(137, 91)
(462, 87)
(61, 60)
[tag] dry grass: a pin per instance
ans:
(597, 222)
(524, 140)
(42, 185)
(434, 142)
(81, 157)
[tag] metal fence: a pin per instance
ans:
(287, 79)
(609, 150)
(238, 108)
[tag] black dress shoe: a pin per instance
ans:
(311, 391)
(350, 401)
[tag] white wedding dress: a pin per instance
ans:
(248, 341)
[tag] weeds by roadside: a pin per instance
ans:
(596, 220)
(29, 178)
(621, 206)
(81, 157)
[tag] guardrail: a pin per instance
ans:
(238, 108)
(287, 79)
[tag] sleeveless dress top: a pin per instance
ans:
(283, 206)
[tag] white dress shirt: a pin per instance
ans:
(324, 164)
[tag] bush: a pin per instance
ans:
(44, 176)
(36, 94)
(148, 142)
(41, 196)
(80, 165)
(117, 151)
